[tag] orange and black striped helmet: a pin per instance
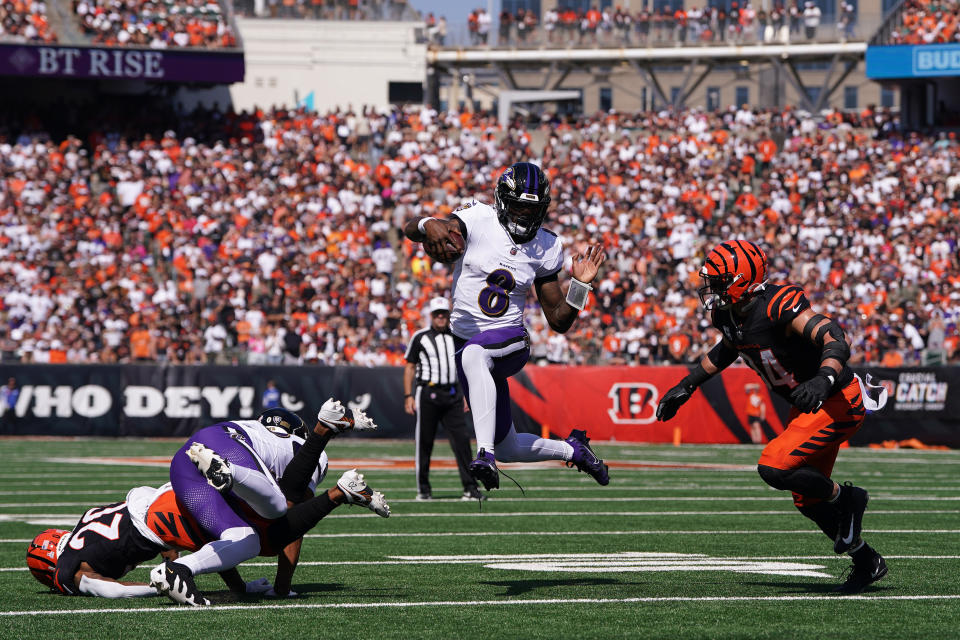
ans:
(732, 272)
(42, 555)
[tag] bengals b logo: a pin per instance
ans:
(633, 403)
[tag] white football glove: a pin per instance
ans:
(333, 415)
(361, 421)
(260, 585)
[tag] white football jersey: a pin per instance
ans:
(276, 448)
(491, 280)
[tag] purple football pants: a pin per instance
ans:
(211, 509)
(502, 353)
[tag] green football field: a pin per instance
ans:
(685, 542)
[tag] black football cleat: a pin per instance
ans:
(584, 459)
(175, 581)
(852, 504)
(484, 470)
(860, 577)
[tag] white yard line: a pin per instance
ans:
(634, 532)
(874, 496)
(456, 560)
(7, 517)
(482, 603)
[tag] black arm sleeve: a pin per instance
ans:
(722, 355)
(296, 476)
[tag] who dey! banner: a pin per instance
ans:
(612, 403)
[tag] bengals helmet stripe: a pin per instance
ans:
(753, 267)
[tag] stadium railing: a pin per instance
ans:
(459, 36)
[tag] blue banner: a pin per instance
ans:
(921, 61)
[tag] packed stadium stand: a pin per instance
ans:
(144, 23)
(926, 22)
(201, 236)
(25, 21)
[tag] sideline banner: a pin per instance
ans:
(221, 66)
(156, 401)
(612, 403)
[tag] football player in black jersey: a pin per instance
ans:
(801, 355)
(110, 541)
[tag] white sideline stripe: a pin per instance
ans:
(7, 517)
(481, 603)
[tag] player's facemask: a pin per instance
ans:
(714, 293)
(522, 219)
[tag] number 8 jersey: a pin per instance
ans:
(781, 360)
(491, 280)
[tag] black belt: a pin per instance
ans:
(439, 387)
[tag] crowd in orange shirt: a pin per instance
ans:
(927, 22)
(151, 23)
(273, 237)
(25, 21)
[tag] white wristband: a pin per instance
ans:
(577, 294)
(421, 226)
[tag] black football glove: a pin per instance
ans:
(809, 395)
(671, 402)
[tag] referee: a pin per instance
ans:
(431, 366)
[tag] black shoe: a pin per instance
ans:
(584, 459)
(861, 577)
(852, 504)
(176, 582)
(484, 470)
(473, 494)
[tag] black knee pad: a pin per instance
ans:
(774, 477)
(807, 481)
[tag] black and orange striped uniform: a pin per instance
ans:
(783, 361)
(171, 521)
(108, 541)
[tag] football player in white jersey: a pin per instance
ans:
(109, 541)
(229, 467)
(505, 252)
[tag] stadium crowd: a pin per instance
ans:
(328, 9)
(155, 23)
(25, 21)
(738, 22)
(272, 237)
(927, 22)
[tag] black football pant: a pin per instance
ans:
(436, 405)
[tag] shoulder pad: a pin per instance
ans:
(786, 302)
(465, 205)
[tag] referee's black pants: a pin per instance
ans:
(436, 405)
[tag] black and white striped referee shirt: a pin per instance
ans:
(433, 353)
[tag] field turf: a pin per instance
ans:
(686, 542)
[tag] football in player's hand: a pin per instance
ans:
(451, 248)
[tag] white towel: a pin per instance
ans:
(874, 395)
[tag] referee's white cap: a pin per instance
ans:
(439, 304)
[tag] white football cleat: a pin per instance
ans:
(214, 468)
(357, 492)
(175, 581)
